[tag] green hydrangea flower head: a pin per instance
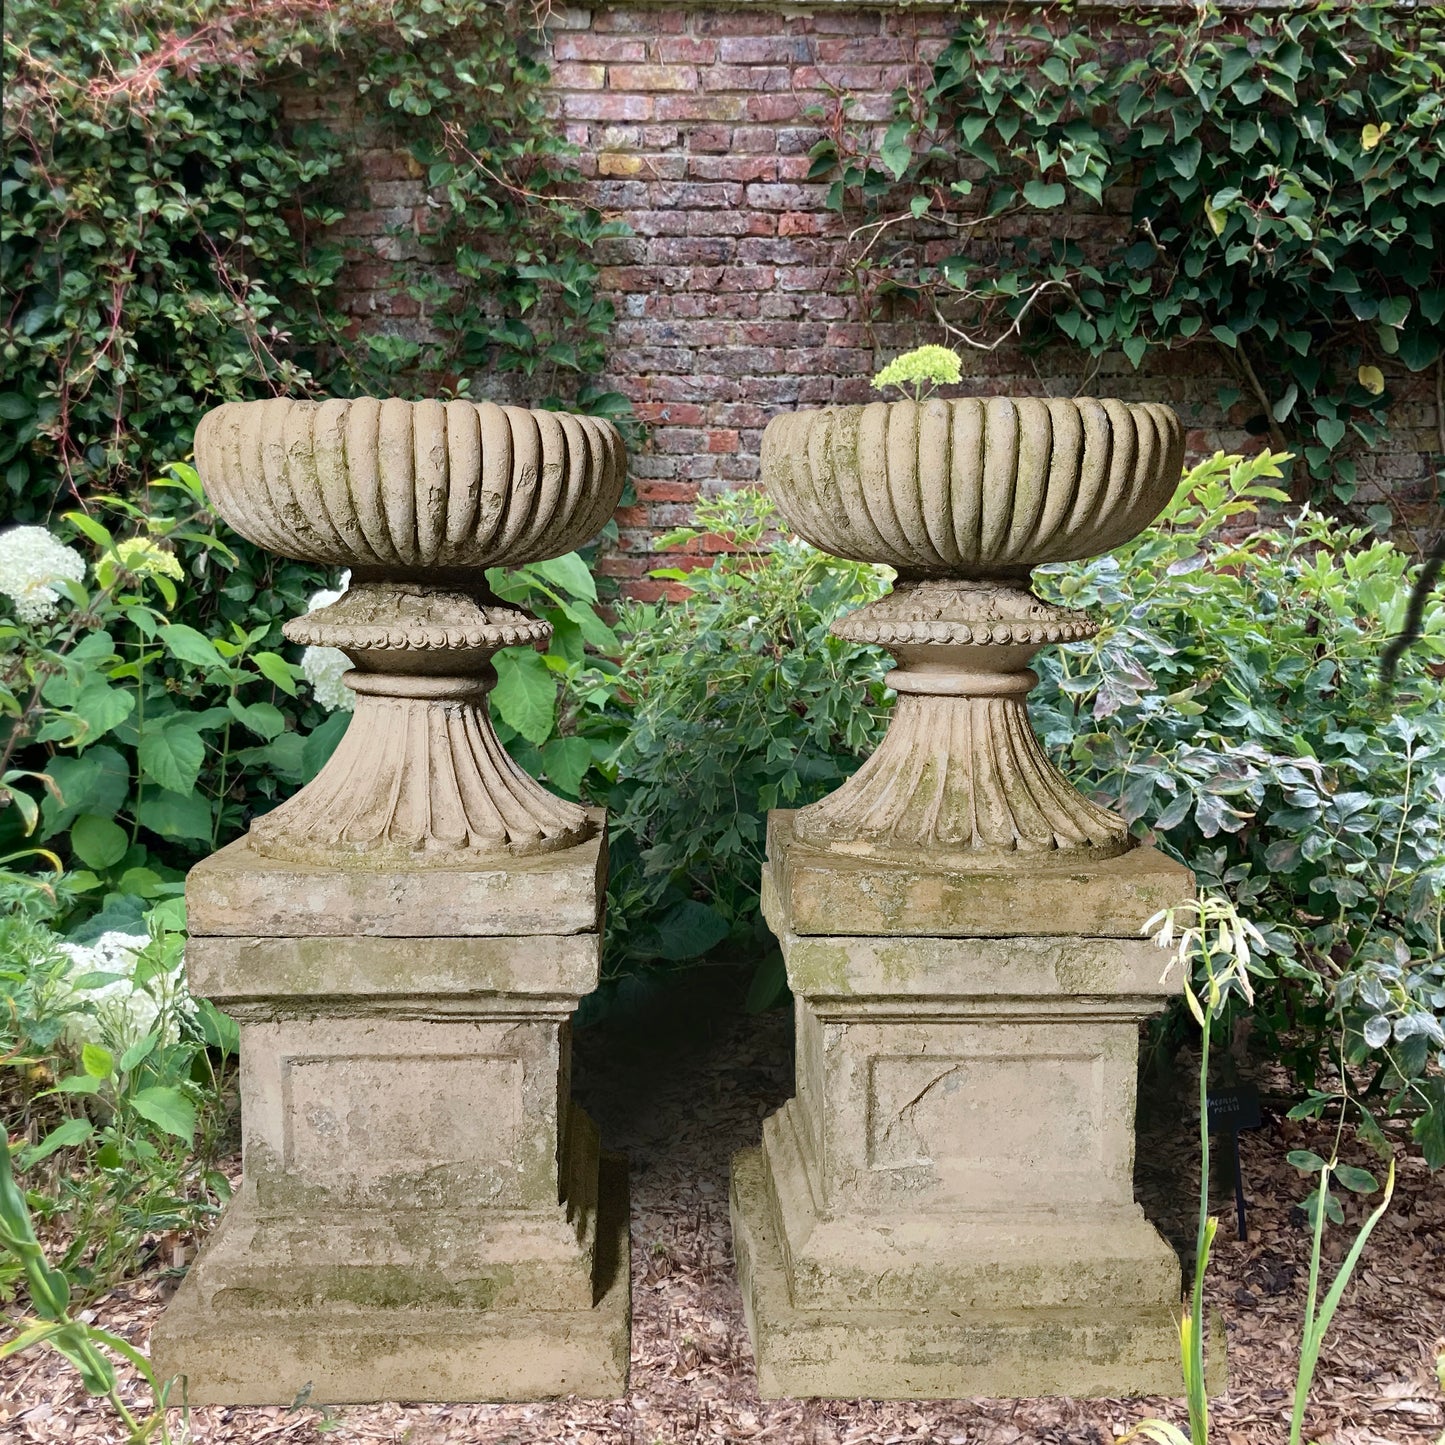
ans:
(921, 371)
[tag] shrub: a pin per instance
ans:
(112, 1078)
(738, 700)
(1230, 709)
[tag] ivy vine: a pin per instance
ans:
(166, 242)
(1280, 181)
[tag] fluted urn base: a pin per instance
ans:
(960, 779)
(420, 774)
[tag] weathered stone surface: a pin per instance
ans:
(938, 1347)
(946, 1207)
(976, 485)
(420, 498)
(963, 497)
(445, 971)
(832, 893)
(409, 1308)
(241, 893)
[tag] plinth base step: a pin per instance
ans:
(938, 1353)
(354, 1355)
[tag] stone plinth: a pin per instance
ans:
(946, 1207)
(425, 1215)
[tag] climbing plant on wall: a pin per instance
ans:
(165, 244)
(1281, 179)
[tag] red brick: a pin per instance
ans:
(606, 105)
(588, 46)
(722, 441)
(686, 49)
(652, 77)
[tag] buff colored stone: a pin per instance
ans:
(424, 1213)
(1065, 896)
(946, 1206)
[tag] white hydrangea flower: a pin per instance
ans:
(323, 667)
(31, 559)
(120, 1013)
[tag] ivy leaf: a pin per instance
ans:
(1372, 379)
(526, 693)
(896, 153)
(1045, 195)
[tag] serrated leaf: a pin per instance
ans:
(97, 1061)
(526, 693)
(171, 753)
(167, 1108)
(275, 669)
(66, 1136)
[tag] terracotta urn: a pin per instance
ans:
(963, 498)
(418, 499)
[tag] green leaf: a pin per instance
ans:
(96, 782)
(690, 930)
(187, 645)
(167, 1108)
(1358, 1181)
(1045, 195)
(219, 1030)
(275, 669)
(1429, 1129)
(566, 761)
(98, 842)
(97, 1061)
(526, 693)
(177, 815)
(262, 718)
(102, 707)
(66, 1136)
(568, 572)
(1305, 1160)
(138, 1052)
(321, 742)
(896, 152)
(171, 753)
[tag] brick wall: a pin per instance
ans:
(692, 127)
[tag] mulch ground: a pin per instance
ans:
(679, 1078)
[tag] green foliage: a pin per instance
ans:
(165, 241)
(134, 743)
(112, 1073)
(1214, 951)
(83, 1345)
(1287, 193)
(1228, 707)
(740, 700)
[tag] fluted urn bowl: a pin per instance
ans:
(976, 486)
(410, 487)
(962, 498)
(418, 499)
